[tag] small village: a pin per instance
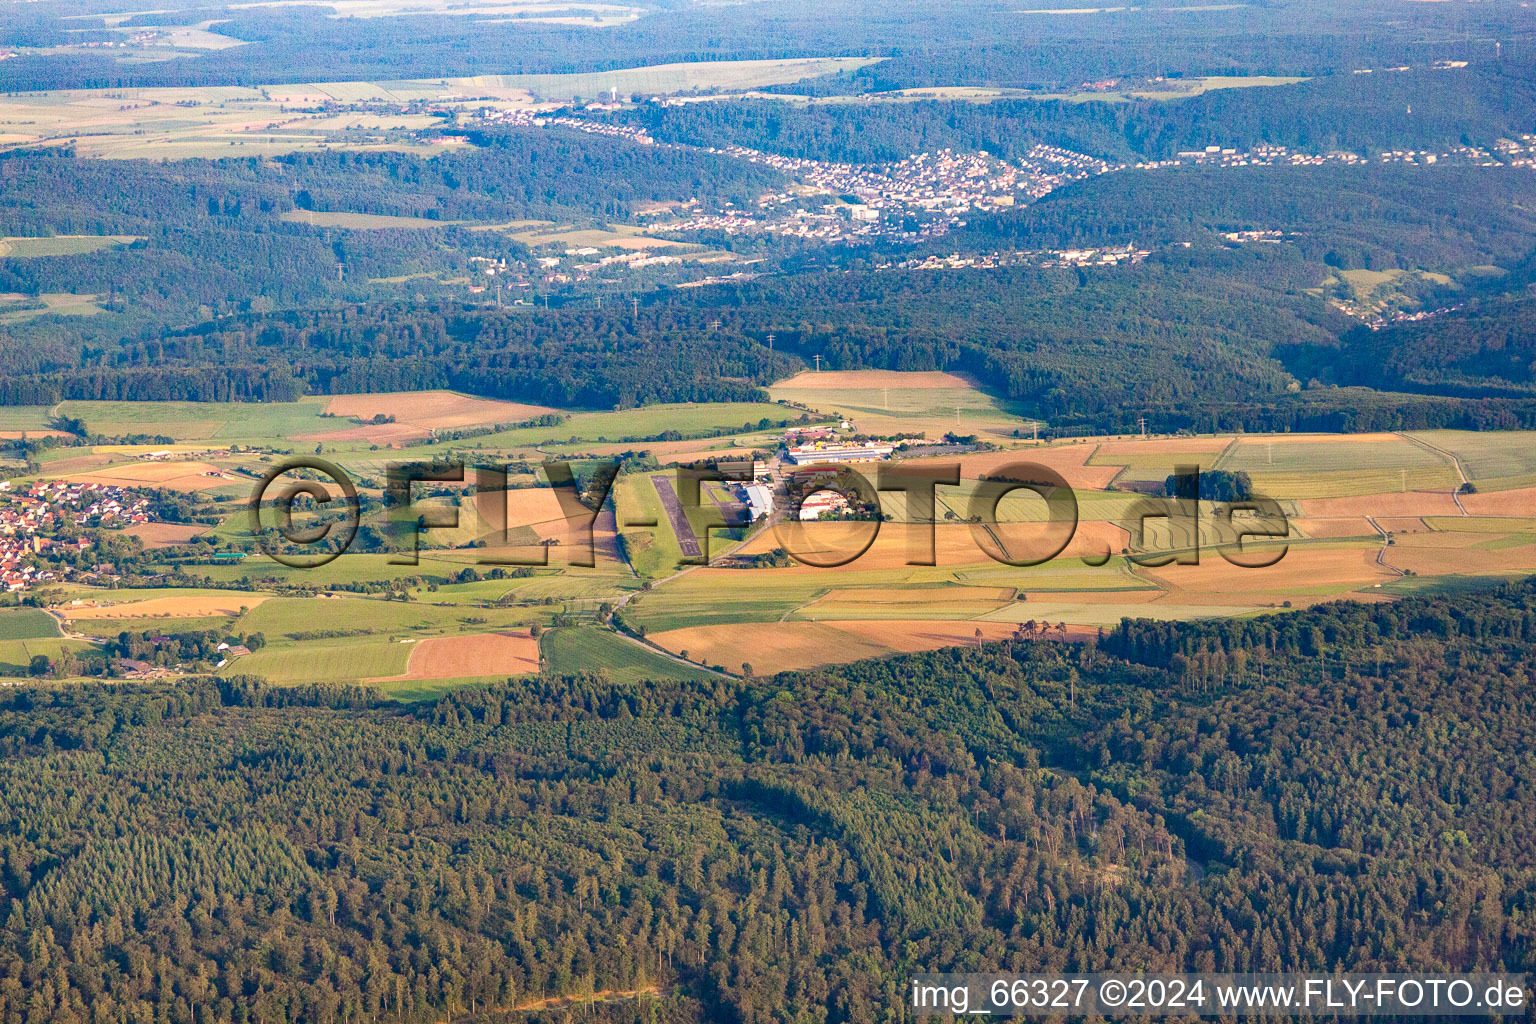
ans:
(30, 522)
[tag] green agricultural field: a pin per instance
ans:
(1263, 455)
(16, 655)
(60, 245)
(716, 603)
(27, 624)
(1479, 524)
(653, 552)
(647, 421)
(946, 602)
(1299, 484)
(590, 648)
(350, 567)
(471, 594)
(1494, 460)
(289, 617)
(409, 691)
(1150, 464)
(15, 309)
(269, 423)
(25, 417)
(1285, 469)
(323, 662)
(112, 627)
(881, 402)
(729, 596)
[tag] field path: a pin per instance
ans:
(1455, 494)
(1381, 556)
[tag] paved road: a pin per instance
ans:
(686, 540)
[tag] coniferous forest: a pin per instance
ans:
(1347, 786)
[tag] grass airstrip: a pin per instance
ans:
(1370, 516)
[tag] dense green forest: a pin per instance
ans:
(1420, 108)
(186, 210)
(1483, 350)
(579, 359)
(1335, 217)
(1343, 788)
(1212, 337)
(928, 42)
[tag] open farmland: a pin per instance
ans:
(323, 662)
(1493, 460)
(1154, 460)
(784, 646)
(231, 602)
(297, 618)
(17, 308)
(1343, 492)
(433, 409)
(496, 655)
(60, 245)
(175, 476)
(164, 535)
(360, 221)
(889, 402)
(16, 655)
(1336, 466)
(229, 422)
(250, 121)
(572, 649)
(27, 624)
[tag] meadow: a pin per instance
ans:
(27, 624)
(60, 245)
(1492, 460)
(1321, 467)
(572, 649)
(324, 662)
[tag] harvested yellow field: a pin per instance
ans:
(522, 506)
(433, 409)
(788, 646)
(826, 542)
(1442, 554)
(16, 435)
(1521, 502)
(899, 603)
(1028, 541)
(483, 654)
(165, 535)
(1408, 524)
(1126, 452)
(1392, 503)
(1332, 529)
(954, 545)
(910, 635)
(181, 607)
(1305, 575)
(172, 476)
(769, 646)
(1071, 461)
